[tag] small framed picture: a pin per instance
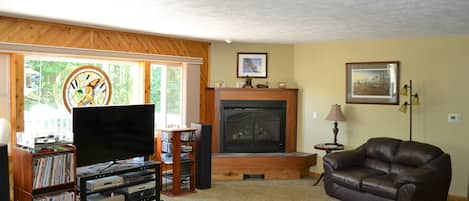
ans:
(372, 83)
(253, 65)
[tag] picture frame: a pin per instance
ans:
(372, 82)
(252, 65)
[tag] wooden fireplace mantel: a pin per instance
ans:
(216, 95)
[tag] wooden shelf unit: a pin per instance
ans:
(24, 174)
(175, 166)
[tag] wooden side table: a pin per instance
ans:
(328, 147)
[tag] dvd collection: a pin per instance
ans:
(53, 170)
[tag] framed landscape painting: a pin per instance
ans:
(253, 65)
(372, 83)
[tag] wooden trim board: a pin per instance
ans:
(147, 83)
(456, 198)
(314, 174)
(16, 94)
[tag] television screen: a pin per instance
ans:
(109, 133)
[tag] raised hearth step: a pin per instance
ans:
(233, 166)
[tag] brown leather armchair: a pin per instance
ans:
(385, 169)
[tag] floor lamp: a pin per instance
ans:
(413, 100)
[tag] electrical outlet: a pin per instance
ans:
(315, 115)
(454, 118)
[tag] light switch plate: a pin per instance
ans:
(315, 115)
(454, 118)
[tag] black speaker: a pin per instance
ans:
(4, 183)
(203, 167)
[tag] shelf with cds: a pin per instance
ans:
(46, 174)
(176, 151)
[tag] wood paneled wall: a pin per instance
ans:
(17, 30)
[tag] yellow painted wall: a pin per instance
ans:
(223, 61)
(438, 66)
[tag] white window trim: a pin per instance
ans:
(94, 53)
(191, 93)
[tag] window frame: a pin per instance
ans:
(16, 56)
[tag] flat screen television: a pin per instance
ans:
(111, 133)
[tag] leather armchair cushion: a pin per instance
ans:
(352, 178)
(399, 169)
(382, 185)
(377, 164)
(416, 154)
(382, 148)
(344, 159)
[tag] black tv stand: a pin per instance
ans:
(116, 168)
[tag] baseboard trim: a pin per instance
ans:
(450, 197)
(456, 198)
(314, 174)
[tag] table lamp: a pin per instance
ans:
(335, 114)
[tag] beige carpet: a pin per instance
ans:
(258, 190)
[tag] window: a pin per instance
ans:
(166, 93)
(44, 77)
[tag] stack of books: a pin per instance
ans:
(53, 170)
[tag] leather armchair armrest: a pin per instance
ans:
(416, 176)
(345, 159)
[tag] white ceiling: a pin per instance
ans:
(265, 21)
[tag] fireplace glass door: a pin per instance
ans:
(253, 127)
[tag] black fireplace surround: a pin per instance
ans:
(252, 126)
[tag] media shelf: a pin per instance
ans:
(176, 148)
(122, 181)
(48, 174)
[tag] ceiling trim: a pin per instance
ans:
(94, 53)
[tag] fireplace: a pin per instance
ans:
(252, 126)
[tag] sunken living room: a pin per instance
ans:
(258, 100)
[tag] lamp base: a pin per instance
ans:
(335, 130)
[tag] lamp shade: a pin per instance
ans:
(5, 131)
(335, 114)
(416, 100)
(403, 107)
(404, 90)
